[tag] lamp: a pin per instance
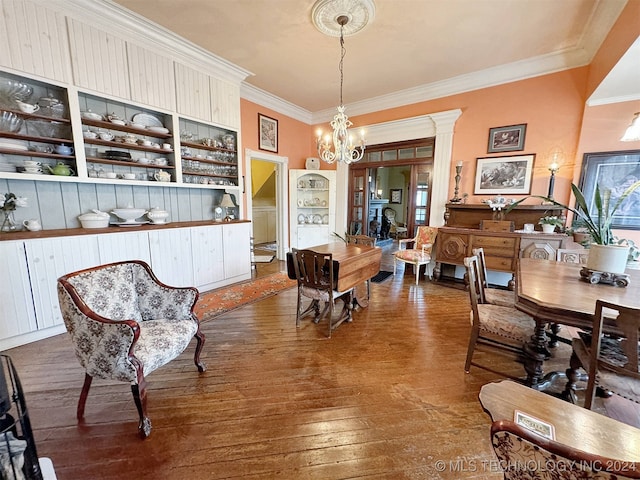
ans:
(227, 203)
(341, 147)
(632, 134)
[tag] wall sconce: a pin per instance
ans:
(227, 203)
(456, 198)
(632, 134)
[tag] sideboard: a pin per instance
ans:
(202, 254)
(471, 215)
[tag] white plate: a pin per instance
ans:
(158, 129)
(146, 120)
(302, 218)
(13, 146)
(325, 219)
(138, 126)
(300, 202)
(129, 224)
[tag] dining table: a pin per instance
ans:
(555, 293)
(576, 427)
(353, 265)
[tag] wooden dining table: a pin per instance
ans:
(353, 265)
(554, 292)
(574, 426)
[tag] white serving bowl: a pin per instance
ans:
(94, 220)
(129, 214)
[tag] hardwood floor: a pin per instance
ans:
(385, 398)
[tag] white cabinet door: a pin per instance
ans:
(171, 258)
(237, 251)
(208, 256)
(50, 258)
(119, 247)
(17, 315)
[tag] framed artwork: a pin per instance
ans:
(613, 171)
(507, 139)
(267, 133)
(396, 195)
(504, 175)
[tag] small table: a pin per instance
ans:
(553, 292)
(353, 265)
(575, 426)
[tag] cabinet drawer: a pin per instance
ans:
(496, 246)
(503, 264)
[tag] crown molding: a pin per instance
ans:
(277, 104)
(115, 19)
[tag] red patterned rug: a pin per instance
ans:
(221, 300)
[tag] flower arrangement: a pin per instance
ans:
(8, 204)
(551, 220)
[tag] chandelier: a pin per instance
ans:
(341, 146)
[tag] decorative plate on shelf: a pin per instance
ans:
(302, 218)
(300, 202)
(325, 218)
(147, 120)
(312, 163)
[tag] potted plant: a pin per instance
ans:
(605, 255)
(549, 223)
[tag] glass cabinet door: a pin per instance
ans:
(358, 201)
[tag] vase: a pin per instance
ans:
(607, 258)
(546, 228)
(9, 222)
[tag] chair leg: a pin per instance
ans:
(140, 398)
(417, 268)
(569, 393)
(472, 345)
(83, 396)
(202, 367)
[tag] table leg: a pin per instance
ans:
(573, 375)
(536, 352)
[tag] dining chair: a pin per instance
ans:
(363, 240)
(573, 255)
(525, 455)
(420, 254)
(495, 296)
(124, 324)
(315, 277)
(500, 326)
(611, 361)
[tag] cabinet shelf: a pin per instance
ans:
(124, 128)
(205, 147)
(33, 138)
(126, 146)
(127, 164)
(206, 174)
(211, 161)
(35, 116)
(29, 153)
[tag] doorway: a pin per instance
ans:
(267, 197)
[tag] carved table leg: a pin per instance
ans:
(569, 393)
(536, 352)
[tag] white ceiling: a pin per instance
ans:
(433, 47)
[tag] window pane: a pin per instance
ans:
(405, 153)
(424, 152)
(389, 155)
(374, 156)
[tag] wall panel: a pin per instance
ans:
(192, 93)
(225, 103)
(151, 77)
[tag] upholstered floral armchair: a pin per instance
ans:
(124, 324)
(420, 254)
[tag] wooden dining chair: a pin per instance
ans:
(573, 255)
(420, 254)
(495, 296)
(502, 327)
(523, 454)
(362, 240)
(315, 276)
(611, 361)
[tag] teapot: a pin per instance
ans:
(33, 225)
(60, 169)
(157, 215)
(27, 107)
(162, 176)
(63, 149)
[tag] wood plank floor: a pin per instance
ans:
(385, 398)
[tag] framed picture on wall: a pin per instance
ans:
(504, 175)
(267, 133)
(396, 195)
(613, 171)
(507, 139)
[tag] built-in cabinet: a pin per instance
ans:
(205, 256)
(313, 208)
(264, 224)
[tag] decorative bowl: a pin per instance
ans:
(95, 219)
(129, 215)
(10, 122)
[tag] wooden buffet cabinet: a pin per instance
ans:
(462, 234)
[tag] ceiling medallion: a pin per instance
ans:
(325, 13)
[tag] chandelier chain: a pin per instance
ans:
(343, 52)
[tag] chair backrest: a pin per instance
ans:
(476, 292)
(525, 454)
(313, 270)
(109, 290)
(568, 255)
(425, 236)
(628, 322)
(361, 240)
(390, 214)
(482, 267)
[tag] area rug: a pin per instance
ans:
(263, 258)
(381, 276)
(219, 301)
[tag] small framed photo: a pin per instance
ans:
(535, 425)
(396, 195)
(507, 139)
(267, 133)
(504, 175)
